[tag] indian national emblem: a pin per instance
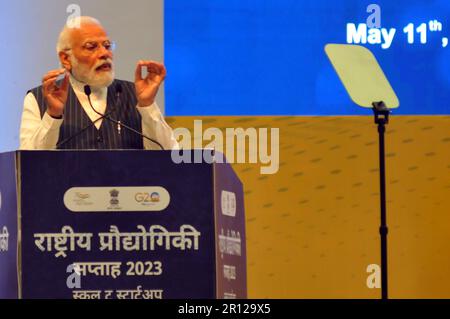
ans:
(114, 197)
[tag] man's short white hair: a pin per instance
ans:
(64, 40)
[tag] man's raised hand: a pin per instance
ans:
(56, 96)
(147, 88)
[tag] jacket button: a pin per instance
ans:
(99, 139)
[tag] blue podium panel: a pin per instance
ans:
(8, 228)
(123, 224)
(230, 231)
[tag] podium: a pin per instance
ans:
(119, 225)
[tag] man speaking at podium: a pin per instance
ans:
(88, 108)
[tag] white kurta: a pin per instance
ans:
(38, 133)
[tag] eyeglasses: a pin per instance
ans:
(94, 46)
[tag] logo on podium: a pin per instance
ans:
(229, 204)
(114, 201)
(106, 199)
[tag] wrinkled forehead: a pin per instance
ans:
(88, 33)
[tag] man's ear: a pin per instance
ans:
(65, 60)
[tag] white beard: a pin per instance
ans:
(96, 80)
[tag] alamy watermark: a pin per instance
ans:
(73, 20)
(239, 145)
(374, 279)
(74, 279)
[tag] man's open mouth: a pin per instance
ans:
(104, 67)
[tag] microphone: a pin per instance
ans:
(87, 91)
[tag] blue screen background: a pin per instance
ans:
(256, 57)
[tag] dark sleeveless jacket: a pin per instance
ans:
(108, 136)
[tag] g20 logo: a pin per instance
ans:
(147, 197)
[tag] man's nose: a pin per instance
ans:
(105, 54)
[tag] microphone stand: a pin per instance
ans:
(381, 114)
(67, 140)
(87, 91)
